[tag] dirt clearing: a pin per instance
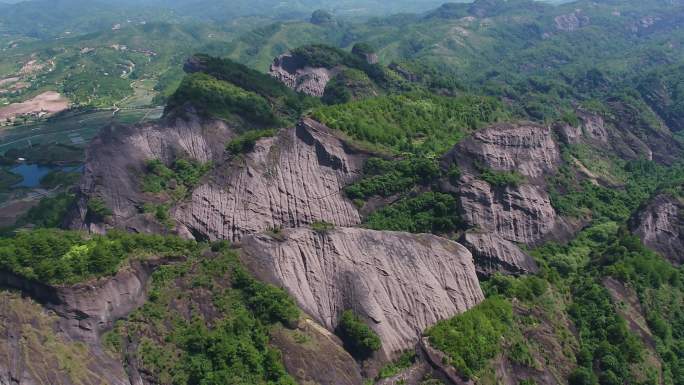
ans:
(47, 103)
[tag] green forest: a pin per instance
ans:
(607, 79)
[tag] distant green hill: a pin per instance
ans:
(543, 55)
(113, 67)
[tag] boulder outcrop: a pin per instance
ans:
(660, 225)
(290, 180)
(296, 74)
(493, 254)
(400, 283)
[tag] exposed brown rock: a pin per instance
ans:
(400, 283)
(517, 213)
(297, 75)
(526, 148)
(291, 180)
(660, 225)
(568, 134)
(629, 307)
(313, 355)
(88, 309)
(36, 352)
(115, 162)
(493, 254)
(67, 341)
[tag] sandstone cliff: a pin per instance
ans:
(36, 351)
(290, 180)
(401, 283)
(60, 341)
(660, 225)
(115, 162)
(90, 308)
(493, 254)
(519, 212)
(296, 74)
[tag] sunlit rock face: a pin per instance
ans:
(401, 283)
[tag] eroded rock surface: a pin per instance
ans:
(660, 225)
(36, 352)
(296, 74)
(115, 162)
(525, 148)
(493, 254)
(401, 283)
(88, 309)
(313, 355)
(519, 212)
(290, 180)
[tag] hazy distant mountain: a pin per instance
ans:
(28, 17)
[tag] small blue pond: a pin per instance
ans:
(33, 173)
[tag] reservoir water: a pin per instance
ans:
(33, 173)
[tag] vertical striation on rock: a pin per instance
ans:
(526, 148)
(518, 213)
(88, 309)
(493, 254)
(401, 283)
(660, 225)
(521, 214)
(116, 159)
(291, 180)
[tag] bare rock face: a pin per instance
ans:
(526, 148)
(116, 159)
(320, 360)
(401, 283)
(493, 254)
(571, 21)
(297, 75)
(293, 179)
(36, 352)
(594, 127)
(516, 213)
(62, 330)
(290, 180)
(661, 227)
(624, 134)
(88, 309)
(521, 214)
(569, 134)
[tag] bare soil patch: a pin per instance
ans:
(47, 103)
